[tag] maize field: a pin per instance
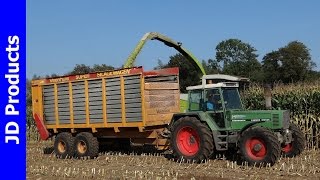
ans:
(303, 101)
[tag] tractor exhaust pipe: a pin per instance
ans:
(267, 96)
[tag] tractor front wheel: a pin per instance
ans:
(297, 145)
(259, 145)
(191, 140)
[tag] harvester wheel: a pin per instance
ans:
(63, 145)
(191, 140)
(86, 145)
(259, 146)
(297, 145)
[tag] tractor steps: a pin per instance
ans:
(221, 141)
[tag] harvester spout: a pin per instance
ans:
(168, 42)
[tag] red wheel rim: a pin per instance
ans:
(188, 141)
(256, 148)
(287, 148)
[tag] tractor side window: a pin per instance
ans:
(213, 100)
(195, 100)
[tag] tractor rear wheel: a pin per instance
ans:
(86, 145)
(63, 145)
(191, 140)
(297, 145)
(259, 145)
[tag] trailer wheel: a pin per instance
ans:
(259, 146)
(86, 145)
(191, 140)
(63, 145)
(297, 145)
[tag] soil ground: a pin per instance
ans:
(118, 165)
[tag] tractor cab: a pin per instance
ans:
(218, 92)
(216, 95)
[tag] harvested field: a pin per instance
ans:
(116, 165)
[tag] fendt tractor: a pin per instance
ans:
(137, 107)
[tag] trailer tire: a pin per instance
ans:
(259, 146)
(191, 140)
(86, 145)
(297, 145)
(63, 145)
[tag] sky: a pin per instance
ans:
(61, 34)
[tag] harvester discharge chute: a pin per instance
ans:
(167, 41)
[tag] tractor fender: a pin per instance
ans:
(177, 116)
(211, 126)
(248, 126)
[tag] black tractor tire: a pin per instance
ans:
(63, 145)
(297, 145)
(191, 140)
(259, 146)
(86, 145)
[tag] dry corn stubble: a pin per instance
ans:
(115, 165)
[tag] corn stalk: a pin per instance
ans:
(303, 101)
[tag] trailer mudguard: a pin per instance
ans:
(44, 133)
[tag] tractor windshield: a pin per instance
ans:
(213, 100)
(231, 98)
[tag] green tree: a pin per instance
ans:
(211, 66)
(160, 65)
(102, 67)
(188, 74)
(80, 69)
(291, 63)
(271, 67)
(30, 121)
(238, 58)
(84, 69)
(296, 61)
(313, 75)
(52, 75)
(29, 104)
(34, 77)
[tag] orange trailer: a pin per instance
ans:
(80, 110)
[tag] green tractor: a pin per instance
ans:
(216, 121)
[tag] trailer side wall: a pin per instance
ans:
(117, 99)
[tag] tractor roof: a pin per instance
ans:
(216, 78)
(219, 80)
(217, 85)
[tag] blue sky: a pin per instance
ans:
(61, 34)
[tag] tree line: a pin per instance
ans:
(289, 64)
